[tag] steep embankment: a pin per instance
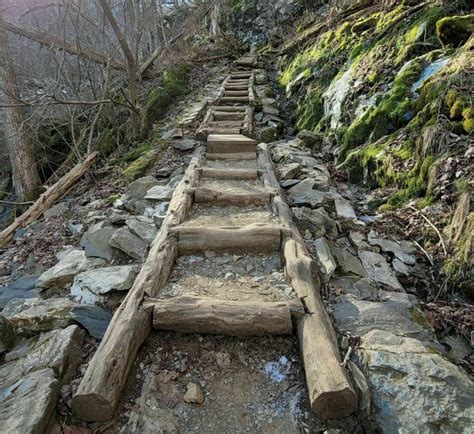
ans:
(390, 92)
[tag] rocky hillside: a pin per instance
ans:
(388, 90)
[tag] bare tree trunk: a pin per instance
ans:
(132, 68)
(26, 180)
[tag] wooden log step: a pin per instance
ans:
(229, 93)
(235, 156)
(235, 99)
(241, 74)
(215, 197)
(231, 143)
(225, 123)
(230, 108)
(224, 130)
(188, 314)
(229, 174)
(233, 116)
(238, 83)
(245, 239)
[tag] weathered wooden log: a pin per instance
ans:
(215, 197)
(330, 391)
(229, 174)
(235, 99)
(99, 390)
(233, 156)
(251, 91)
(251, 238)
(228, 116)
(223, 317)
(230, 143)
(48, 198)
(231, 93)
(231, 108)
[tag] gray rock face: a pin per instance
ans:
(130, 244)
(142, 227)
(414, 389)
(96, 242)
(364, 289)
(88, 287)
(302, 194)
(38, 315)
(378, 269)
(30, 382)
(93, 318)
(396, 313)
(185, 145)
(268, 134)
(64, 271)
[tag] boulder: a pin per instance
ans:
(138, 189)
(90, 286)
(402, 250)
(348, 263)
(8, 335)
(378, 269)
(64, 271)
(56, 210)
(268, 134)
(94, 319)
(30, 383)
(130, 244)
(142, 227)
(414, 388)
(397, 313)
(317, 221)
(160, 193)
(38, 315)
(96, 242)
(344, 209)
(185, 145)
(308, 137)
(289, 171)
(302, 194)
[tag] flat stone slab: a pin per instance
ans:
(414, 388)
(39, 315)
(94, 319)
(303, 194)
(31, 379)
(64, 271)
(378, 269)
(88, 287)
(397, 313)
(143, 228)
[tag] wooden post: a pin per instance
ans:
(99, 390)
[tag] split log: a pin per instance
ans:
(251, 238)
(251, 91)
(229, 174)
(223, 317)
(235, 99)
(330, 391)
(214, 197)
(99, 390)
(230, 108)
(234, 156)
(48, 198)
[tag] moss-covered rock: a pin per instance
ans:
(455, 31)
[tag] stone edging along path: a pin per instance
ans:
(230, 170)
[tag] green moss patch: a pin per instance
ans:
(455, 31)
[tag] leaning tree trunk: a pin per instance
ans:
(26, 180)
